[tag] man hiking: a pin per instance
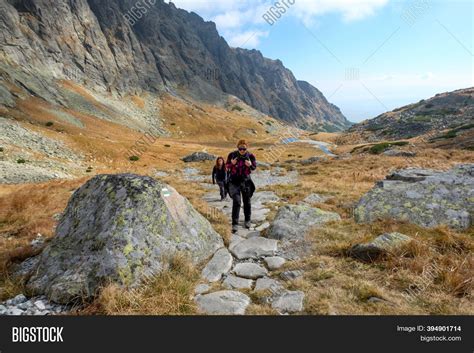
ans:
(219, 175)
(240, 165)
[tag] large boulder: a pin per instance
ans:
(424, 197)
(119, 229)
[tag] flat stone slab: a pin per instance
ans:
(254, 248)
(268, 283)
(220, 264)
(234, 282)
(226, 302)
(289, 302)
(250, 270)
(274, 262)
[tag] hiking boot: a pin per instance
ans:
(248, 224)
(235, 228)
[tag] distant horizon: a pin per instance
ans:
(366, 56)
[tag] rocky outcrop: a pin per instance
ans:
(118, 229)
(165, 50)
(427, 198)
(450, 110)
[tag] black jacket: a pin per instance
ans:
(219, 175)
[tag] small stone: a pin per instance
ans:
(40, 305)
(234, 282)
(202, 288)
(268, 283)
(274, 262)
(15, 312)
(262, 227)
(289, 302)
(3, 309)
(376, 300)
(220, 264)
(383, 244)
(250, 270)
(292, 275)
(316, 198)
(24, 306)
(225, 302)
(254, 248)
(20, 298)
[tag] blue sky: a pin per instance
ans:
(366, 56)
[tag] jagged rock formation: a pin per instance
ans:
(118, 229)
(443, 117)
(166, 50)
(425, 197)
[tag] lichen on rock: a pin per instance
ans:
(119, 229)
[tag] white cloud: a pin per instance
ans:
(235, 18)
(350, 10)
(247, 39)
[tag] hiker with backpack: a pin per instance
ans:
(219, 176)
(240, 164)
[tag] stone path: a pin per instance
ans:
(247, 263)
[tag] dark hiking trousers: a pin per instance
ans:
(222, 189)
(240, 193)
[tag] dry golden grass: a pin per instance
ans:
(333, 282)
(168, 293)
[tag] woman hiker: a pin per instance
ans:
(219, 175)
(241, 164)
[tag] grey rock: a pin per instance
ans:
(266, 283)
(15, 312)
(224, 302)
(250, 270)
(235, 239)
(289, 302)
(254, 248)
(234, 282)
(292, 275)
(118, 229)
(220, 264)
(20, 298)
(24, 269)
(262, 227)
(274, 262)
(202, 288)
(316, 198)
(293, 221)
(3, 309)
(383, 244)
(427, 198)
(40, 305)
(199, 157)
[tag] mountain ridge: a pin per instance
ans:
(167, 50)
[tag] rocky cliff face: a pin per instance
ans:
(166, 50)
